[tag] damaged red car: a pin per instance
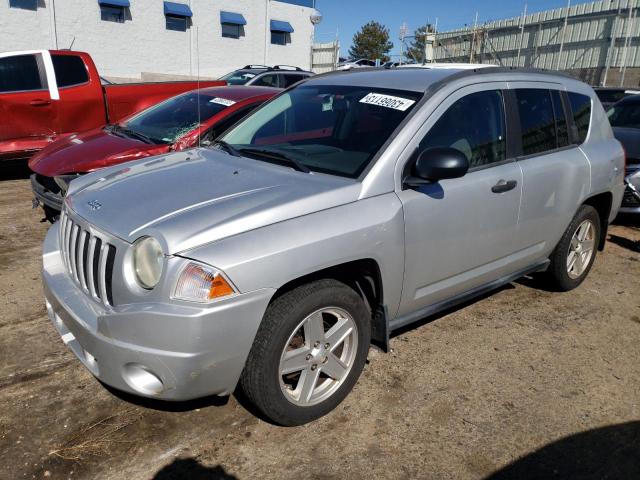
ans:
(184, 121)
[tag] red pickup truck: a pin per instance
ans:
(46, 94)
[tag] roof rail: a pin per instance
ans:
(288, 67)
(255, 66)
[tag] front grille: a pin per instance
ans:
(629, 200)
(88, 259)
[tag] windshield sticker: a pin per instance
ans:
(388, 101)
(222, 101)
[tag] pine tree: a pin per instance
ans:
(416, 49)
(372, 41)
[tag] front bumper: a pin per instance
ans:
(631, 198)
(44, 195)
(192, 351)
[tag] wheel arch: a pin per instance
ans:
(602, 203)
(364, 276)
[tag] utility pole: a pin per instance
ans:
(564, 31)
(612, 45)
(524, 15)
(473, 39)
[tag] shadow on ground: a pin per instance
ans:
(623, 242)
(611, 452)
(192, 469)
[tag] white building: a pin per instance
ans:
(130, 38)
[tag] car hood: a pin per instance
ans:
(186, 199)
(88, 151)
(630, 140)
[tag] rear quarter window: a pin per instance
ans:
(69, 70)
(581, 108)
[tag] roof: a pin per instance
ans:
(239, 92)
(421, 79)
(633, 99)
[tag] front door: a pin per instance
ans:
(27, 116)
(459, 233)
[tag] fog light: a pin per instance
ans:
(141, 379)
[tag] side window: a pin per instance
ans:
(19, 73)
(581, 108)
(270, 80)
(70, 70)
(537, 123)
(562, 131)
(290, 79)
(475, 125)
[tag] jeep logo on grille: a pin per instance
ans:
(94, 204)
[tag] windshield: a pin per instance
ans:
(173, 118)
(626, 115)
(239, 77)
(330, 129)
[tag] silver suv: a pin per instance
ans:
(342, 210)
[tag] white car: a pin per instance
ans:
(362, 62)
(461, 66)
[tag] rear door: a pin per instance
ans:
(81, 106)
(555, 171)
(27, 115)
(459, 233)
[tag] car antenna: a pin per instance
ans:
(198, 88)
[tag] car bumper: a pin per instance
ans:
(167, 351)
(631, 197)
(45, 196)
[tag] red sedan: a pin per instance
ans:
(185, 121)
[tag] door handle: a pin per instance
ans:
(38, 102)
(504, 186)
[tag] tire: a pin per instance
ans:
(561, 276)
(288, 397)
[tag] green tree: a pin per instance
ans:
(416, 48)
(372, 41)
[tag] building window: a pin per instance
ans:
(179, 24)
(232, 24)
(280, 32)
(280, 38)
(177, 16)
(24, 4)
(113, 10)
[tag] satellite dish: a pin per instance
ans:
(316, 17)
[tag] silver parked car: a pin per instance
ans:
(342, 210)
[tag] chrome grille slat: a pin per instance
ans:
(88, 258)
(102, 268)
(72, 251)
(80, 259)
(92, 248)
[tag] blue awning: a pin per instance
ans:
(177, 9)
(114, 3)
(232, 18)
(278, 26)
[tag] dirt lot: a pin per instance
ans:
(523, 383)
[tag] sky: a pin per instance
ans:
(345, 17)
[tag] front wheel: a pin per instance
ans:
(308, 353)
(575, 253)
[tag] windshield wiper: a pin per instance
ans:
(278, 157)
(227, 148)
(115, 128)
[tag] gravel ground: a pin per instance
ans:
(523, 383)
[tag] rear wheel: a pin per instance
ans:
(308, 353)
(575, 253)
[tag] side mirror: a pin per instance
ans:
(439, 163)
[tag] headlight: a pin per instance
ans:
(202, 283)
(148, 261)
